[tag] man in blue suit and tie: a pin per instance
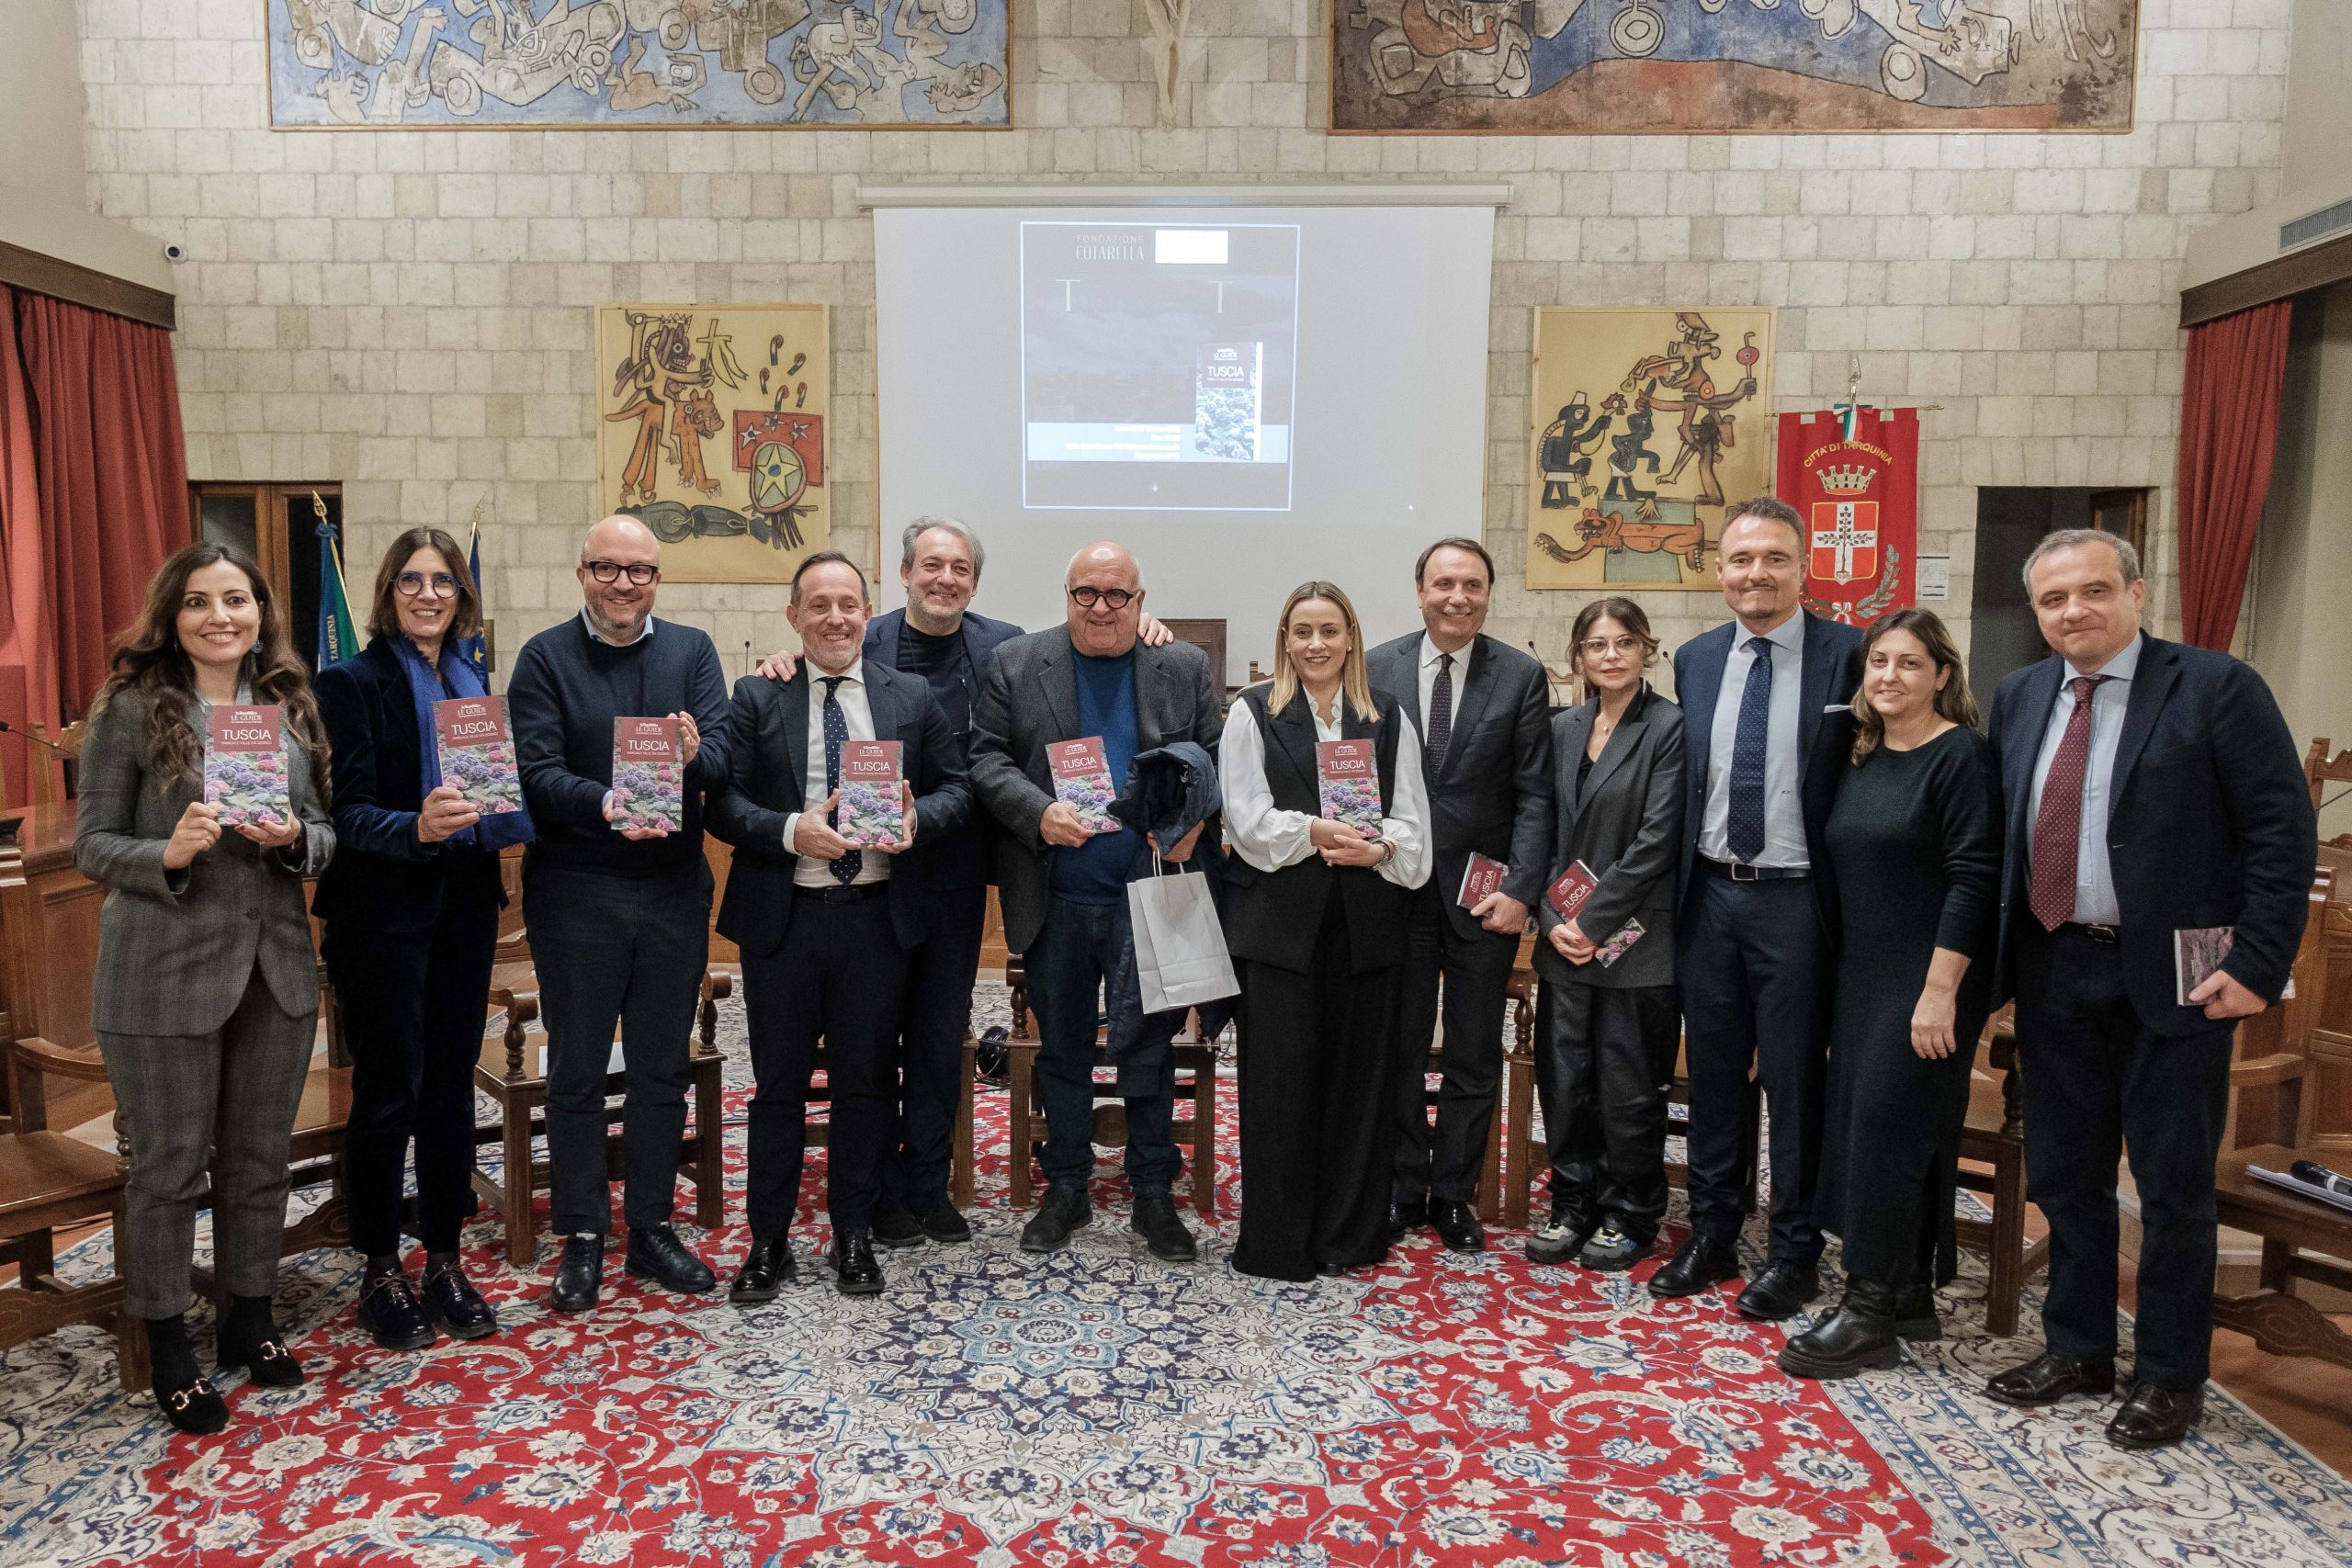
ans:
(2151, 789)
(1766, 720)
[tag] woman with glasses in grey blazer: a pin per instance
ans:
(206, 998)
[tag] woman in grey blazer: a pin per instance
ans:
(207, 995)
(1607, 1020)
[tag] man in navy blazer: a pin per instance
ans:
(1768, 732)
(2151, 789)
(826, 927)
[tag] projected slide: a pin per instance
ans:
(1157, 363)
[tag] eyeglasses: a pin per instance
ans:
(1117, 598)
(639, 573)
(412, 583)
(1597, 647)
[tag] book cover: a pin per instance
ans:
(1567, 896)
(1612, 950)
(1082, 777)
(2195, 954)
(1348, 783)
(869, 813)
(477, 752)
(1479, 878)
(244, 766)
(1225, 424)
(648, 774)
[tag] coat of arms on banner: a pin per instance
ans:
(711, 428)
(1853, 477)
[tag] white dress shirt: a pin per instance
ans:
(1269, 839)
(1784, 843)
(594, 636)
(811, 872)
(2095, 902)
(1429, 657)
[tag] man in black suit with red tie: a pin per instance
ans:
(2151, 789)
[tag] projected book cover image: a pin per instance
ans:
(1348, 784)
(869, 813)
(477, 754)
(648, 776)
(244, 766)
(1083, 778)
(1158, 364)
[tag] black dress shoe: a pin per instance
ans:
(194, 1407)
(895, 1226)
(2048, 1379)
(391, 1312)
(1064, 1211)
(2155, 1418)
(1858, 1337)
(1330, 1272)
(1406, 1215)
(855, 1273)
(1560, 1237)
(1163, 1229)
(263, 1355)
(1781, 1290)
(1457, 1226)
(1915, 1317)
(1611, 1251)
(655, 1252)
(766, 1269)
(580, 1276)
(452, 1300)
(1703, 1263)
(945, 1225)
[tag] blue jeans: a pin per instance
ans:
(1076, 946)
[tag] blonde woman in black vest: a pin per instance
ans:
(1316, 926)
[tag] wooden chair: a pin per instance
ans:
(50, 1182)
(64, 745)
(1996, 1141)
(1195, 1062)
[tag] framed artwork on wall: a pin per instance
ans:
(710, 427)
(1645, 421)
(626, 64)
(1618, 67)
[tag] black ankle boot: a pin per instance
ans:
(187, 1401)
(1858, 1336)
(249, 1338)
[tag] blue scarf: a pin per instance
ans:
(456, 678)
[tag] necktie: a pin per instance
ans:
(2058, 826)
(1440, 716)
(1744, 829)
(844, 867)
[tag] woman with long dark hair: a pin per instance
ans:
(1317, 924)
(1916, 840)
(206, 998)
(410, 906)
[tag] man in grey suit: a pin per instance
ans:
(1482, 712)
(1063, 889)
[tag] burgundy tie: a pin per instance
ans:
(2058, 826)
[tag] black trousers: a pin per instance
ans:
(2098, 1084)
(838, 977)
(1604, 1062)
(616, 949)
(1318, 1058)
(1752, 992)
(413, 1005)
(1473, 974)
(932, 1020)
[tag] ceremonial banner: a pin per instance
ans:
(1853, 476)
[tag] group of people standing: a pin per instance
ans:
(1816, 868)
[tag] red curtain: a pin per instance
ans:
(112, 466)
(2229, 434)
(28, 661)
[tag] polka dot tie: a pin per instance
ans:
(1744, 829)
(2058, 826)
(844, 867)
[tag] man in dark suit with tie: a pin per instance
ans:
(2151, 789)
(1481, 712)
(1768, 732)
(825, 926)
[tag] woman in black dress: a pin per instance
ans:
(1915, 839)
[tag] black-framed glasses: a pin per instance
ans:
(1599, 647)
(639, 573)
(410, 583)
(1117, 598)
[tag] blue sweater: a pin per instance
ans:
(566, 690)
(1097, 871)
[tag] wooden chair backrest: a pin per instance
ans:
(2320, 770)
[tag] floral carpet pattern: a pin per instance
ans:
(1098, 1406)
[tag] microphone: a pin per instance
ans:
(2319, 1176)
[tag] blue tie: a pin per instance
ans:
(844, 867)
(1745, 827)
